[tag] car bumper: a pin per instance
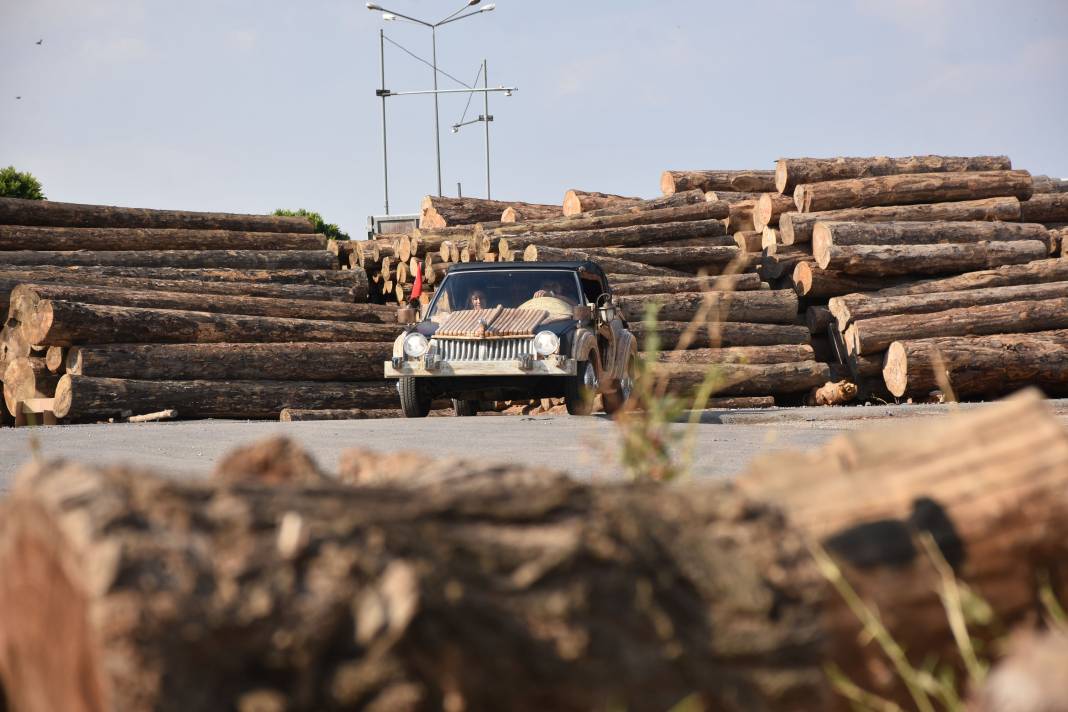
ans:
(551, 366)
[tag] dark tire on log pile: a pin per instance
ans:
(768, 209)
(614, 237)
(15, 211)
(437, 212)
(797, 227)
(540, 253)
(913, 188)
(22, 237)
(979, 366)
(896, 260)
(581, 201)
(781, 353)
(84, 397)
(744, 181)
(746, 379)
(26, 378)
(1037, 272)
(792, 172)
(682, 213)
(755, 307)
(744, 282)
(295, 361)
(68, 323)
(1045, 208)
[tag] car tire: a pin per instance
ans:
(578, 395)
(622, 389)
(464, 408)
(415, 401)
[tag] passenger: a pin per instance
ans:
(552, 288)
(477, 300)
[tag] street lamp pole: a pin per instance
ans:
(437, 126)
(385, 153)
(485, 98)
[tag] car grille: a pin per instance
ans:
(484, 349)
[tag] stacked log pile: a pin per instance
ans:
(118, 312)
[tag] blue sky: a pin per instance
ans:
(249, 105)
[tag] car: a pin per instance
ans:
(515, 331)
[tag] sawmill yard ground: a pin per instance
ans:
(585, 447)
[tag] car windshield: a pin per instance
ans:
(555, 291)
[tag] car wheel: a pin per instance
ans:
(622, 390)
(581, 389)
(464, 408)
(415, 401)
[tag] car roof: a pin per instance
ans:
(578, 266)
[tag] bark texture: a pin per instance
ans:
(438, 212)
(890, 260)
(782, 353)
(581, 201)
(22, 237)
(1045, 208)
(721, 334)
(911, 188)
(525, 212)
(181, 259)
(1036, 272)
(811, 281)
(827, 234)
(768, 209)
(757, 307)
(613, 237)
(669, 285)
(743, 181)
(671, 214)
(792, 172)
(689, 259)
(746, 379)
(540, 253)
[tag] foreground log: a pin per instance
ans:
(1037, 272)
(302, 414)
(979, 366)
(1045, 208)
(745, 379)
(581, 201)
(876, 334)
(671, 214)
(757, 307)
(912, 188)
(84, 398)
(182, 259)
(294, 361)
(719, 334)
(15, 211)
(797, 227)
(828, 234)
(26, 378)
(670, 285)
(58, 323)
(525, 212)
(613, 265)
(890, 260)
(438, 211)
(781, 353)
(744, 181)
(22, 237)
(792, 172)
(768, 209)
(614, 237)
(214, 303)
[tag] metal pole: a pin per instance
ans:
(437, 129)
(485, 97)
(385, 155)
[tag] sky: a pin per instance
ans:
(252, 105)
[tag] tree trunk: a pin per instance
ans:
(792, 172)
(670, 285)
(525, 212)
(25, 378)
(13, 345)
(818, 319)
(980, 366)
(744, 181)
(437, 212)
(1045, 184)
(890, 260)
(540, 253)
(15, 211)
(1045, 208)
(828, 234)
(758, 307)
(581, 201)
(68, 323)
(214, 303)
(328, 277)
(768, 209)
(833, 393)
(101, 239)
(224, 362)
(682, 213)
(782, 261)
(302, 414)
(797, 227)
(811, 281)
(678, 200)
(183, 259)
(781, 353)
(690, 259)
(730, 196)
(729, 402)
(722, 334)
(749, 241)
(911, 188)
(1019, 317)
(746, 379)
(1037, 272)
(855, 307)
(83, 397)
(612, 237)
(740, 216)
(56, 359)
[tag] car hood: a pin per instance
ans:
(560, 327)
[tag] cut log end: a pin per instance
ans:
(667, 183)
(895, 369)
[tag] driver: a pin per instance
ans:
(552, 288)
(477, 300)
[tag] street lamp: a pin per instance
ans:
(454, 17)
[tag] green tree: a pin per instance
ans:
(17, 184)
(329, 229)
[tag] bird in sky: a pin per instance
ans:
(18, 97)
(40, 41)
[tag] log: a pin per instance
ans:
(769, 240)
(891, 260)
(833, 393)
(613, 237)
(854, 307)
(525, 212)
(756, 307)
(293, 361)
(811, 281)
(182, 259)
(84, 397)
(689, 259)
(682, 213)
(57, 323)
(746, 379)
(15, 211)
(730, 196)
(797, 227)
(215, 303)
(729, 403)
(749, 241)
(56, 359)
(438, 212)
(540, 253)
(911, 188)
(979, 366)
(740, 216)
(25, 378)
(581, 201)
(818, 319)
(768, 209)
(670, 285)
(792, 172)
(22, 237)
(1037, 272)
(301, 414)
(678, 200)
(780, 353)
(721, 334)
(872, 335)
(13, 345)
(350, 279)
(1045, 208)
(1046, 184)
(826, 234)
(743, 181)
(783, 261)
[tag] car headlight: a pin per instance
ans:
(415, 345)
(546, 343)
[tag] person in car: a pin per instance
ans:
(477, 300)
(552, 288)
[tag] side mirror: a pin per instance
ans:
(582, 312)
(407, 315)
